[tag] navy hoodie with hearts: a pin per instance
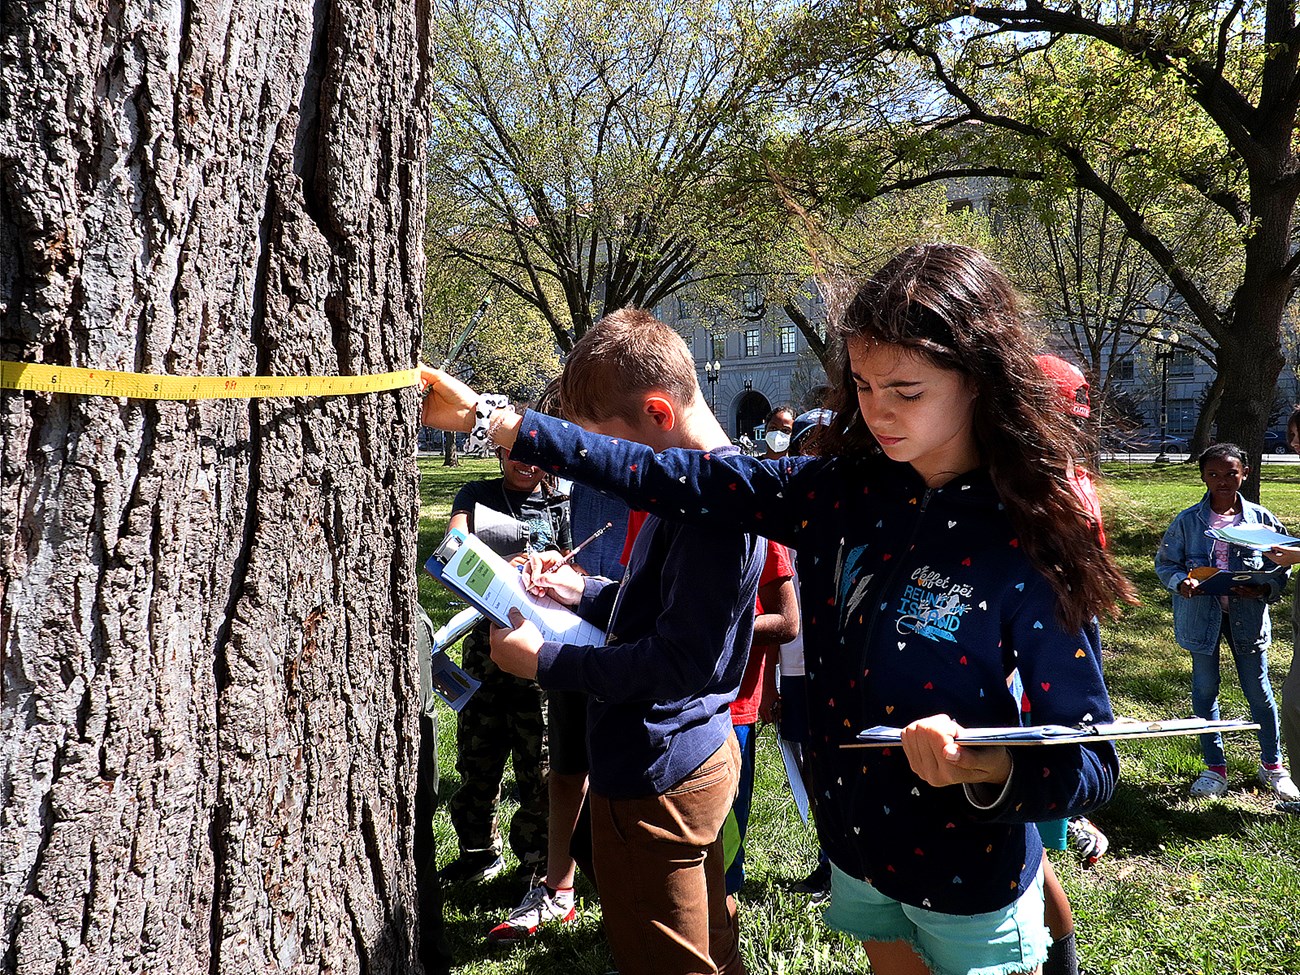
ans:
(916, 601)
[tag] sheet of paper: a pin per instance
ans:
(1054, 734)
(494, 586)
(456, 627)
(1258, 537)
(795, 779)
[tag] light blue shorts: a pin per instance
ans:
(1055, 834)
(1011, 940)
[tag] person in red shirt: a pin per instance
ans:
(1073, 387)
(776, 621)
(1089, 842)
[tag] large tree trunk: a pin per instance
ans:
(1250, 357)
(1206, 419)
(207, 729)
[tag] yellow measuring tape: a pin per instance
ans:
(135, 385)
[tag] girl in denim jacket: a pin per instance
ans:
(1202, 622)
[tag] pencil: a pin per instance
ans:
(594, 535)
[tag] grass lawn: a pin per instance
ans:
(1187, 887)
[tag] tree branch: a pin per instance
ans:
(1088, 178)
(1231, 110)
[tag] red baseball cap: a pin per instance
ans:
(1070, 381)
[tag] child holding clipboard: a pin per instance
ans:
(1202, 622)
(941, 545)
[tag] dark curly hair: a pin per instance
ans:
(1223, 451)
(955, 307)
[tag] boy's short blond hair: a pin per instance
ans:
(626, 354)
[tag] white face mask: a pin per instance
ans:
(778, 441)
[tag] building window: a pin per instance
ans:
(753, 301)
(1182, 415)
(719, 345)
(786, 336)
(682, 311)
(751, 341)
(1182, 365)
(1121, 370)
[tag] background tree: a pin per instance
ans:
(1100, 295)
(1213, 84)
(502, 346)
(579, 149)
(795, 251)
(209, 687)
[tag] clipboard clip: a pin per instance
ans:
(448, 547)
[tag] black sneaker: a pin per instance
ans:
(817, 882)
(472, 867)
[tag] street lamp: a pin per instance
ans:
(711, 372)
(1169, 339)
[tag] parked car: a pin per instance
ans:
(1275, 442)
(431, 439)
(1151, 443)
(1119, 441)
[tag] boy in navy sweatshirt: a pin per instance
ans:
(933, 536)
(664, 758)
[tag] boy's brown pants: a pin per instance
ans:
(660, 870)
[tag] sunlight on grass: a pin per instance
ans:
(1188, 887)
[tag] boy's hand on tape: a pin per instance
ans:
(514, 650)
(931, 749)
(547, 574)
(448, 402)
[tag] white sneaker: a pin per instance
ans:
(1088, 841)
(538, 906)
(1279, 783)
(1210, 783)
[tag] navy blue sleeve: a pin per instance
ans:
(707, 584)
(678, 485)
(1061, 671)
(597, 603)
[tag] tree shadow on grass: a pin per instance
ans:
(770, 887)
(1164, 689)
(1143, 816)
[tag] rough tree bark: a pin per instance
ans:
(208, 711)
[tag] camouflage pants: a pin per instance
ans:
(506, 717)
